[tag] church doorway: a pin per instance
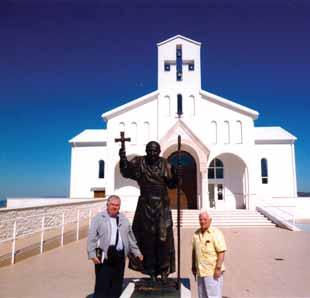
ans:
(216, 195)
(227, 182)
(189, 181)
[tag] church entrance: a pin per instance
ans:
(188, 196)
(216, 195)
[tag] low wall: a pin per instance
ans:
(29, 219)
(299, 207)
(36, 202)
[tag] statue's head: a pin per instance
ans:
(152, 151)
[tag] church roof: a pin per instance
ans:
(272, 134)
(151, 96)
(178, 36)
(230, 104)
(90, 136)
(130, 105)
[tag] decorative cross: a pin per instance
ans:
(179, 63)
(122, 139)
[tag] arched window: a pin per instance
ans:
(216, 169)
(180, 105)
(239, 133)
(146, 132)
(213, 132)
(226, 132)
(133, 133)
(264, 170)
(101, 169)
(189, 106)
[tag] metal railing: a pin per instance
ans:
(47, 221)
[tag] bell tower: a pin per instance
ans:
(179, 65)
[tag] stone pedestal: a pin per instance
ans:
(140, 288)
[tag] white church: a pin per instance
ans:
(228, 163)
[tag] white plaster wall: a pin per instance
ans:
(281, 180)
(85, 170)
(206, 111)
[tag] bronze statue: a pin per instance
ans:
(152, 223)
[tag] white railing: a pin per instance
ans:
(46, 222)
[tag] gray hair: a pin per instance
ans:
(204, 212)
(113, 197)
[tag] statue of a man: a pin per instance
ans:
(152, 224)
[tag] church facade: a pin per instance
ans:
(228, 163)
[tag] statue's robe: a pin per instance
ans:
(152, 224)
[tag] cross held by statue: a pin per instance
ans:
(122, 139)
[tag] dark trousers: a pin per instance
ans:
(109, 278)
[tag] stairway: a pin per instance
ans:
(220, 218)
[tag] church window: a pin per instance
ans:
(216, 169)
(190, 108)
(165, 106)
(146, 132)
(226, 132)
(264, 170)
(101, 169)
(133, 133)
(213, 132)
(167, 67)
(239, 132)
(180, 105)
(191, 66)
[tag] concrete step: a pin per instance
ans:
(221, 218)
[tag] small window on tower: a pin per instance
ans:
(191, 66)
(179, 51)
(167, 67)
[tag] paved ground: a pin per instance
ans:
(260, 262)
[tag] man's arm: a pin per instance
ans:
(194, 269)
(219, 263)
(92, 241)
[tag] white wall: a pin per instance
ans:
(281, 170)
(85, 170)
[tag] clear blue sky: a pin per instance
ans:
(64, 63)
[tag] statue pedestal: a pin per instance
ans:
(144, 287)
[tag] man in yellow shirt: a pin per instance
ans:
(207, 258)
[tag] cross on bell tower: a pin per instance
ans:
(179, 64)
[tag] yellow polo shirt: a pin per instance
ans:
(206, 246)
